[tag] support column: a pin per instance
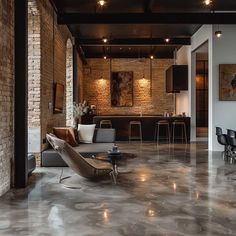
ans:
(21, 93)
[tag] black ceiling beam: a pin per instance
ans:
(133, 41)
(147, 5)
(159, 55)
(147, 18)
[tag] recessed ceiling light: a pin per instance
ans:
(151, 57)
(104, 57)
(207, 2)
(105, 40)
(218, 33)
(167, 40)
(102, 3)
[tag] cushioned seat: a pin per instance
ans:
(87, 168)
(103, 141)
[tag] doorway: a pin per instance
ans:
(201, 80)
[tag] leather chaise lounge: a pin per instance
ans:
(103, 141)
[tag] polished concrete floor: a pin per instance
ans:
(166, 190)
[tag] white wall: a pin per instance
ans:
(224, 112)
(183, 57)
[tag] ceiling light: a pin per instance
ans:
(105, 40)
(104, 57)
(167, 40)
(102, 3)
(218, 33)
(207, 2)
(151, 57)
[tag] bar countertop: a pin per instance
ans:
(148, 123)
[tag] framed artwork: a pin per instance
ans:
(122, 89)
(58, 98)
(227, 82)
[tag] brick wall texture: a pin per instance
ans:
(34, 64)
(6, 92)
(50, 62)
(69, 83)
(149, 96)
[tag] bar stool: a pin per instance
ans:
(132, 124)
(181, 124)
(158, 125)
(106, 123)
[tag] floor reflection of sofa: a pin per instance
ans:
(103, 141)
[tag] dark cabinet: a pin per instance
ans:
(177, 78)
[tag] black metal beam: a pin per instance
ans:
(81, 54)
(147, 18)
(133, 41)
(165, 55)
(21, 94)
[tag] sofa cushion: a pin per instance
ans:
(67, 134)
(50, 158)
(85, 133)
(93, 147)
(104, 135)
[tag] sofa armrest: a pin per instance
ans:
(104, 135)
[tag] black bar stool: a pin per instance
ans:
(182, 125)
(132, 124)
(158, 125)
(105, 124)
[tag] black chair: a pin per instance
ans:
(231, 140)
(231, 133)
(223, 140)
(232, 143)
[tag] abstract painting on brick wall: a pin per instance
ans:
(122, 89)
(227, 81)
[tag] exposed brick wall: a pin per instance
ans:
(34, 66)
(146, 100)
(6, 92)
(80, 72)
(53, 67)
(69, 83)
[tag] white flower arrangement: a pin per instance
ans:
(80, 109)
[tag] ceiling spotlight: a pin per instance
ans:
(102, 3)
(104, 57)
(207, 2)
(167, 40)
(151, 57)
(105, 40)
(218, 33)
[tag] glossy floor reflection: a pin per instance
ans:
(168, 190)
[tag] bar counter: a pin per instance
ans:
(121, 124)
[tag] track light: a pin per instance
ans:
(105, 40)
(101, 3)
(167, 40)
(207, 2)
(151, 57)
(218, 33)
(104, 57)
